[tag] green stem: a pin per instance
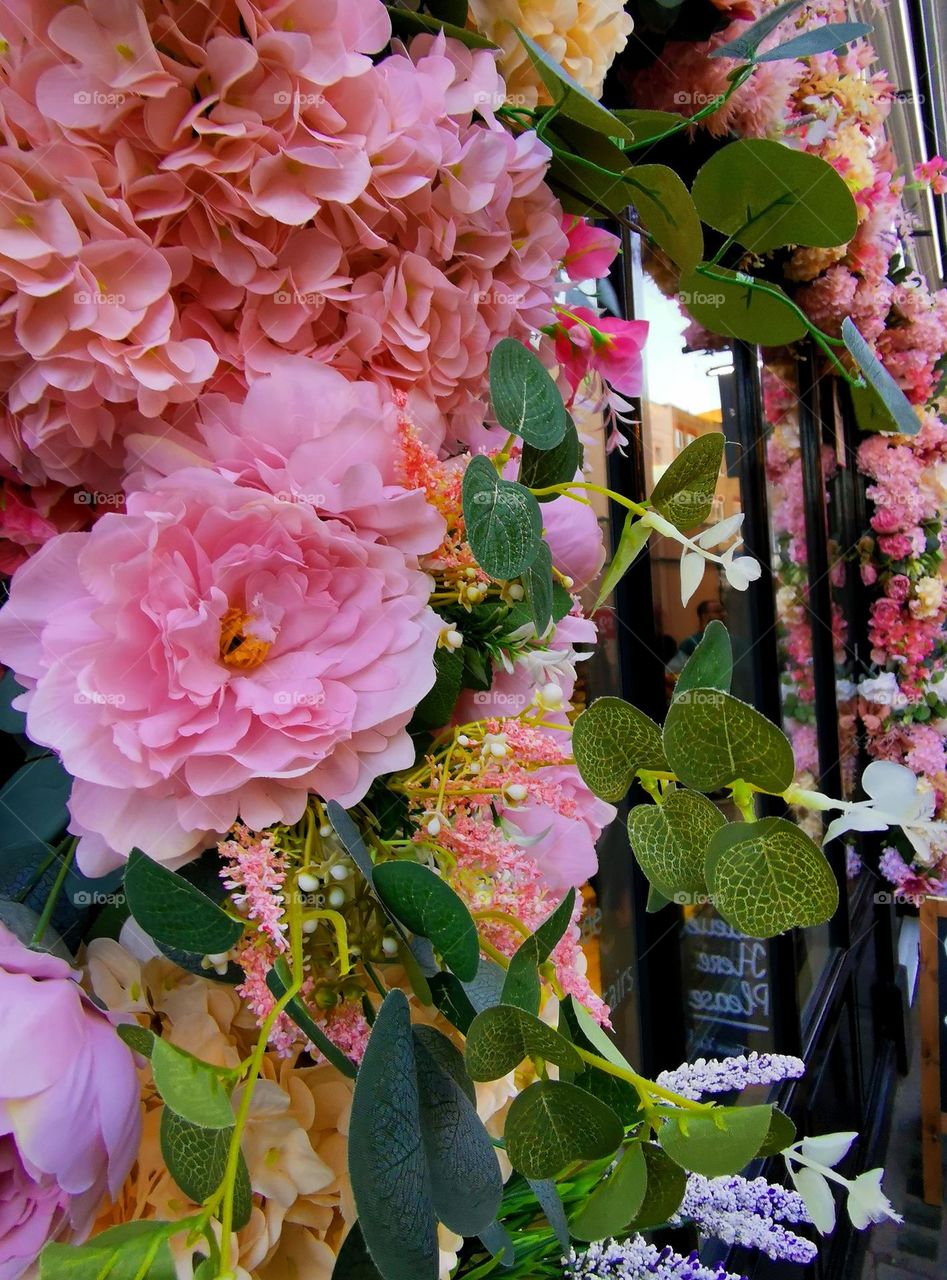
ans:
(49, 908)
(564, 488)
(646, 1089)
(739, 79)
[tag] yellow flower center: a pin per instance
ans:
(238, 646)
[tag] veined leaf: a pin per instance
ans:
(551, 1123)
(685, 492)
(522, 986)
(502, 520)
(525, 399)
(611, 741)
(711, 739)
(174, 912)
(501, 1037)
(427, 905)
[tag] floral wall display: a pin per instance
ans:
(835, 105)
(296, 517)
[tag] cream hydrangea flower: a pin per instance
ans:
(929, 596)
(583, 36)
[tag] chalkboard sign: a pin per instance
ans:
(727, 981)
(933, 1010)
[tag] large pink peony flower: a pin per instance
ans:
(565, 832)
(216, 652)
(69, 1116)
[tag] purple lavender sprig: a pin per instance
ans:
(635, 1259)
(723, 1075)
(738, 1211)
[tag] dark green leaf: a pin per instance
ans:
(502, 519)
(633, 540)
(279, 979)
(665, 1188)
(11, 720)
(522, 986)
(611, 741)
(615, 1200)
(498, 1243)
(744, 47)
(537, 583)
(903, 416)
(547, 1193)
(351, 839)
(834, 35)
(782, 1134)
(685, 493)
(670, 841)
(525, 399)
(437, 706)
(665, 207)
(33, 802)
(190, 1087)
(656, 900)
(197, 1159)
(710, 666)
(541, 468)
(768, 876)
(501, 1037)
(466, 1184)
(427, 905)
(174, 912)
(387, 1162)
(452, 11)
(405, 22)
(576, 103)
(451, 999)
(724, 302)
(618, 1094)
(768, 195)
(354, 1262)
(711, 739)
(551, 1123)
(716, 1144)
(447, 1056)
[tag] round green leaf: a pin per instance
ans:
(615, 1200)
(665, 1189)
(427, 905)
(711, 739)
(724, 303)
(190, 1087)
(768, 876)
(551, 1123)
(197, 1159)
(525, 399)
(502, 520)
(502, 1036)
(522, 985)
(710, 666)
(716, 1144)
(667, 211)
(611, 741)
(782, 1134)
(670, 841)
(541, 468)
(685, 493)
(768, 195)
(174, 912)
(537, 584)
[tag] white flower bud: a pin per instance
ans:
(340, 871)
(389, 946)
(310, 926)
(433, 827)
(336, 898)
(306, 882)
(516, 792)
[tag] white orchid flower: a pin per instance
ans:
(740, 571)
(895, 800)
(811, 1164)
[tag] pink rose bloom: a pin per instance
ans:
(565, 853)
(898, 546)
(885, 520)
(216, 653)
(899, 587)
(869, 574)
(69, 1115)
(588, 343)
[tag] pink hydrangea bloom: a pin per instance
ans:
(216, 653)
(69, 1113)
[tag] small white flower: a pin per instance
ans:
(867, 1202)
(817, 1194)
(811, 1164)
(895, 800)
(740, 571)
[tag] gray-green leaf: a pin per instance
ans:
(611, 741)
(525, 399)
(502, 520)
(893, 400)
(551, 1123)
(670, 841)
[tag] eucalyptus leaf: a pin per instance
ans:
(351, 839)
(547, 1193)
(715, 1144)
(190, 1087)
(834, 35)
(767, 195)
(126, 1252)
(542, 468)
(552, 1123)
(11, 720)
(174, 912)
(525, 399)
(353, 1261)
(33, 802)
(711, 739)
(744, 47)
(197, 1159)
(903, 416)
(768, 876)
(616, 1199)
(664, 1191)
(611, 741)
(649, 124)
(537, 584)
(522, 985)
(502, 520)
(685, 492)
(670, 841)
(501, 1037)
(427, 905)
(668, 213)
(576, 102)
(388, 1166)
(782, 1134)
(726, 302)
(452, 1000)
(710, 666)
